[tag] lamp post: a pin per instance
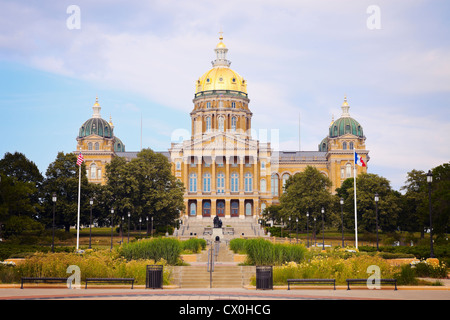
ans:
(129, 215)
(121, 227)
(290, 229)
(323, 229)
(430, 180)
(341, 201)
(140, 221)
(281, 225)
(307, 229)
(296, 220)
(146, 218)
(91, 202)
(315, 242)
(112, 227)
(376, 215)
(53, 227)
(152, 225)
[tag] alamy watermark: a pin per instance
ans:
(373, 22)
(74, 20)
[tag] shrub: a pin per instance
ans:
(194, 245)
(406, 276)
(93, 264)
(237, 245)
(156, 249)
(263, 252)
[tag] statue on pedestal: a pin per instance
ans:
(217, 222)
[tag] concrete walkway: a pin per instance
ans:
(139, 293)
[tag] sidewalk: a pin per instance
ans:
(13, 292)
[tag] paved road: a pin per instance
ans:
(404, 293)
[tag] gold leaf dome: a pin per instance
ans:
(221, 78)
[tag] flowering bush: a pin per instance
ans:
(333, 268)
(93, 264)
(430, 267)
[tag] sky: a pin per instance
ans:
(391, 59)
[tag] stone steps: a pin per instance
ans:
(227, 274)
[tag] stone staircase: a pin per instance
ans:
(226, 274)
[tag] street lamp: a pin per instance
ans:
(129, 215)
(290, 227)
(146, 218)
(315, 239)
(140, 221)
(281, 225)
(323, 229)
(152, 226)
(430, 180)
(112, 217)
(91, 202)
(341, 201)
(121, 227)
(376, 215)
(307, 230)
(53, 235)
(296, 220)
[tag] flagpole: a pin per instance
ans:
(78, 214)
(354, 188)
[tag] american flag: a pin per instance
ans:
(80, 159)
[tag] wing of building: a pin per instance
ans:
(224, 170)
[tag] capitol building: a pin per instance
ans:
(224, 170)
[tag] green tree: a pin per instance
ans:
(367, 184)
(414, 209)
(440, 199)
(62, 179)
(146, 187)
(19, 187)
(307, 191)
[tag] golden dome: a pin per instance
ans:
(221, 78)
(221, 45)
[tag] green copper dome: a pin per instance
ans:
(96, 126)
(345, 124)
(323, 146)
(119, 146)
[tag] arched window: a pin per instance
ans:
(208, 124)
(233, 123)
(274, 184)
(99, 173)
(248, 209)
(206, 182)
(344, 145)
(221, 124)
(348, 170)
(208, 105)
(220, 183)
(192, 182)
(262, 185)
(193, 209)
(97, 146)
(178, 165)
(263, 207)
(234, 182)
(90, 146)
(248, 182)
(351, 145)
(285, 179)
(233, 105)
(93, 171)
